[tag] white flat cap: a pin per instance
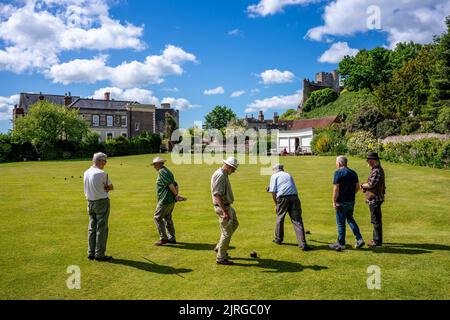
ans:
(158, 160)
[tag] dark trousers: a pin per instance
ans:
(290, 205)
(375, 219)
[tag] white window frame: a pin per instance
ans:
(94, 123)
(108, 123)
(126, 121)
(137, 126)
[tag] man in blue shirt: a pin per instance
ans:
(285, 196)
(346, 185)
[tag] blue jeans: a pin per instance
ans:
(345, 212)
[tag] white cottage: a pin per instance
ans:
(297, 138)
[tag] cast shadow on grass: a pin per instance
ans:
(151, 266)
(396, 248)
(193, 246)
(277, 266)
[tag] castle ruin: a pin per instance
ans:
(323, 80)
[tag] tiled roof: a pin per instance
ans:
(312, 123)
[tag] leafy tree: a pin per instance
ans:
(402, 53)
(440, 78)
(366, 119)
(388, 127)
(407, 92)
(443, 120)
(171, 125)
(46, 124)
(366, 70)
(319, 98)
(5, 147)
(219, 117)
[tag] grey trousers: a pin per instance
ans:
(227, 228)
(98, 227)
(164, 222)
(290, 205)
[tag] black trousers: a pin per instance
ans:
(376, 220)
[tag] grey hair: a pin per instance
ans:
(342, 160)
(278, 167)
(99, 156)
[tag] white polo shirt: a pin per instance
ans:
(94, 184)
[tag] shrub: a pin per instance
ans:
(430, 152)
(329, 142)
(361, 142)
(319, 98)
(367, 119)
(410, 125)
(444, 154)
(388, 127)
(5, 147)
(443, 120)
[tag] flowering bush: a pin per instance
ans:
(361, 142)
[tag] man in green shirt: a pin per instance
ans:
(167, 192)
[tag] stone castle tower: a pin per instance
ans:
(323, 80)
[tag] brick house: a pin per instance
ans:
(110, 118)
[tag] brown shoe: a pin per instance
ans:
(161, 242)
(373, 244)
(225, 262)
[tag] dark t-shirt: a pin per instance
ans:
(165, 178)
(346, 179)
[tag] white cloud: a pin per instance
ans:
(238, 93)
(210, 92)
(6, 106)
(175, 90)
(271, 7)
(234, 32)
(179, 103)
(276, 102)
(254, 91)
(402, 21)
(337, 52)
(35, 34)
(128, 74)
(134, 94)
(276, 76)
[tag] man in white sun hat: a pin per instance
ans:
(167, 193)
(222, 197)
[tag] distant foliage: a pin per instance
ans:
(443, 121)
(388, 127)
(319, 98)
(366, 119)
(426, 152)
(219, 117)
(361, 142)
(328, 141)
(290, 114)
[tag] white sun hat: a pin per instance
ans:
(231, 161)
(158, 160)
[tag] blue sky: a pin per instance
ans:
(195, 54)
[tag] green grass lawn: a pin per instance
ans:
(43, 230)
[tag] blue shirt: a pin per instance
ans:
(283, 184)
(346, 179)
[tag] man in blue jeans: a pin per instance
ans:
(346, 185)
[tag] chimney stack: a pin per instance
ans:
(41, 97)
(67, 100)
(107, 95)
(165, 105)
(261, 116)
(276, 117)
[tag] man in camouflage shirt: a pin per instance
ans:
(375, 189)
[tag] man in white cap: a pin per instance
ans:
(222, 197)
(96, 188)
(285, 195)
(167, 193)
